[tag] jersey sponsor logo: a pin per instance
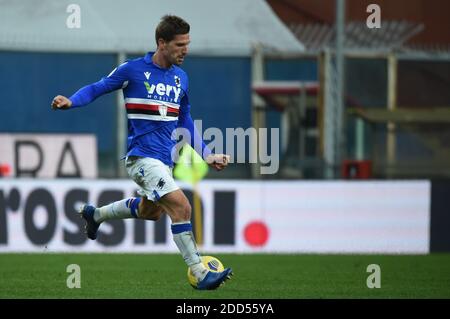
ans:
(162, 90)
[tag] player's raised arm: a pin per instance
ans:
(117, 79)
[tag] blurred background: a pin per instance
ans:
(352, 98)
(358, 90)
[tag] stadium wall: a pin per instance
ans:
(440, 216)
(238, 216)
(220, 94)
(30, 80)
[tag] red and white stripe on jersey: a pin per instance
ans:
(149, 109)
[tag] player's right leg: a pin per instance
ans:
(177, 206)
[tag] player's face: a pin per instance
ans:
(177, 49)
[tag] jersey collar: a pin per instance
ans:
(148, 60)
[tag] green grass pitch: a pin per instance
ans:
(260, 276)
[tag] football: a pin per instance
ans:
(211, 263)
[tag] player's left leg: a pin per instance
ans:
(144, 173)
(134, 207)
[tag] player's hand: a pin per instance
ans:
(218, 161)
(61, 103)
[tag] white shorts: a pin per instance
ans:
(152, 176)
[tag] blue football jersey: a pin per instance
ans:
(156, 101)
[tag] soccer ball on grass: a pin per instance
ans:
(211, 263)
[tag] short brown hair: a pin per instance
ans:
(169, 27)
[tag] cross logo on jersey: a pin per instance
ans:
(162, 109)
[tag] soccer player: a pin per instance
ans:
(155, 89)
